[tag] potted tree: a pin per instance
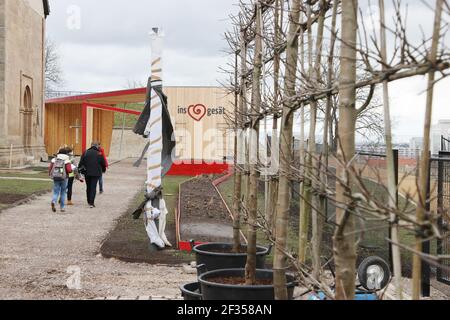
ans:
(234, 255)
(252, 283)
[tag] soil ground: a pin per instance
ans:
(204, 216)
(11, 198)
(129, 241)
(42, 252)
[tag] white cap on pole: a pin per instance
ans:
(157, 36)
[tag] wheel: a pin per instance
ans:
(374, 274)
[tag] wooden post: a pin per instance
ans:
(344, 238)
(10, 156)
(424, 165)
(284, 191)
(121, 136)
(252, 200)
(391, 177)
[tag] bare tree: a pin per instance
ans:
(343, 92)
(252, 199)
(392, 187)
(53, 72)
(284, 190)
(344, 238)
(424, 165)
(134, 84)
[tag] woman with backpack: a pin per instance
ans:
(59, 170)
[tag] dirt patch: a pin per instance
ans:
(129, 242)
(240, 281)
(204, 216)
(8, 198)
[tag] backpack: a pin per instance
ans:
(59, 170)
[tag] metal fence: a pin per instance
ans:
(64, 94)
(445, 144)
(443, 205)
(373, 241)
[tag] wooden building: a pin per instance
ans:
(199, 115)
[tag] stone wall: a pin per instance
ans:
(3, 119)
(22, 61)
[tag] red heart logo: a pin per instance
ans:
(197, 112)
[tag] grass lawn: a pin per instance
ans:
(25, 175)
(33, 172)
(130, 119)
(12, 191)
(22, 187)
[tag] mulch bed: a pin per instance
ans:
(200, 203)
(199, 199)
(200, 206)
(129, 242)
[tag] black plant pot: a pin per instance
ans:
(207, 255)
(216, 291)
(191, 291)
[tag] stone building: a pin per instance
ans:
(22, 38)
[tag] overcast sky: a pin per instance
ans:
(109, 46)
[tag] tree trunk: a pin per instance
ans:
(273, 183)
(237, 171)
(424, 164)
(250, 268)
(284, 193)
(391, 174)
(303, 215)
(327, 129)
(237, 204)
(319, 201)
(344, 239)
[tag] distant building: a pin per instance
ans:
(416, 143)
(441, 129)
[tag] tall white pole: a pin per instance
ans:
(154, 156)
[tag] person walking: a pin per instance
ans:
(59, 170)
(74, 175)
(100, 181)
(93, 165)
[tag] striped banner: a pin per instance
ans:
(156, 209)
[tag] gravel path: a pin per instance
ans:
(42, 253)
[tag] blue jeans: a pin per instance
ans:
(59, 191)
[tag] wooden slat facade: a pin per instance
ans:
(200, 140)
(63, 127)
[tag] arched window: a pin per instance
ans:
(27, 101)
(27, 117)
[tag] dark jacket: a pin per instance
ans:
(94, 162)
